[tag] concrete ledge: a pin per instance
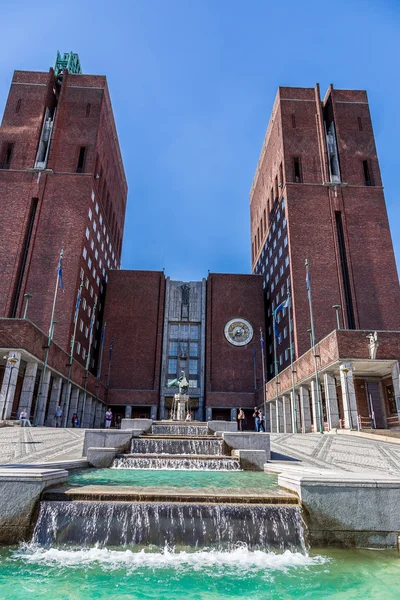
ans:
(347, 509)
(140, 424)
(107, 438)
(251, 460)
(68, 465)
(20, 491)
(214, 426)
(245, 440)
(101, 458)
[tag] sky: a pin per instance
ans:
(192, 84)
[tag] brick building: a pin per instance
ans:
(317, 195)
(63, 187)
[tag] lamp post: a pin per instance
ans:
(28, 297)
(337, 307)
(11, 362)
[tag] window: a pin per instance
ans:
(286, 261)
(293, 121)
(367, 175)
(90, 214)
(81, 325)
(297, 170)
(96, 254)
(88, 107)
(279, 233)
(192, 383)
(91, 291)
(193, 367)
(360, 127)
(81, 160)
(284, 223)
(83, 352)
(86, 331)
(174, 331)
(18, 106)
(283, 290)
(285, 241)
(275, 261)
(94, 226)
(92, 196)
(84, 305)
(98, 280)
(7, 155)
(78, 348)
(89, 262)
(285, 333)
(89, 311)
(87, 233)
(96, 208)
(286, 354)
(84, 253)
(172, 365)
(173, 348)
(194, 332)
(194, 349)
(101, 219)
(98, 236)
(87, 283)
(280, 251)
(82, 273)
(184, 332)
(281, 359)
(94, 273)
(281, 270)
(274, 244)
(92, 244)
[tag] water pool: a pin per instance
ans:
(57, 574)
(238, 480)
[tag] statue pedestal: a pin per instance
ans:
(180, 407)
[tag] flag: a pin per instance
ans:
(277, 333)
(78, 301)
(261, 340)
(282, 306)
(59, 269)
(308, 283)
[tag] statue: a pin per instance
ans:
(373, 344)
(181, 382)
(181, 400)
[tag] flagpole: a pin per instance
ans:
(68, 395)
(263, 378)
(103, 335)
(294, 410)
(109, 362)
(49, 339)
(88, 362)
(308, 283)
(276, 375)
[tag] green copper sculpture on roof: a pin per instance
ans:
(69, 61)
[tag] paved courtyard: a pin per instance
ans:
(39, 444)
(338, 452)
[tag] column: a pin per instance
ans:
(314, 406)
(42, 398)
(55, 395)
(268, 419)
(295, 403)
(79, 407)
(396, 385)
(332, 407)
(349, 396)
(28, 387)
(95, 405)
(65, 404)
(272, 414)
(162, 408)
(73, 404)
(128, 411)
(234, 414)
(305, 411)
(9, 384)
(153, 413)
(286, 414)
(87, 412)
(99, 416)
(208, 414)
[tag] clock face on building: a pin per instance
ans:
(238, 332)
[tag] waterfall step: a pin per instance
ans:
(206, 462)
(220, 457)
(104, 493)
(170, 436)
(179, 445)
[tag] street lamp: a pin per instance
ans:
(11, 360)
(337, 307)
(28, 297)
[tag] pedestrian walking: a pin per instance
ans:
(262, 420)
(240, 419)
(75, 421)
(58, 416)
(256, 417)
(108, 418)
(23, 419)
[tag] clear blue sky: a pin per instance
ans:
(192, 84)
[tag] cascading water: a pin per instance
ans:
(176, 446)
(176, 463)
(220, 526)
(189, 430)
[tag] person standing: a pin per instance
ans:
(23, 418)
(240, 419)
(108, 418)
(58, 416)
(256, 417)
(262, 421)
(75, 420)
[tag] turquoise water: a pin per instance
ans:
(56, 574)
(192, 479)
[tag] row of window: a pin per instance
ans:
(173, 366)
(184, 332)
(192, 383)
(183, 349)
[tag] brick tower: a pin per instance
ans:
(317, 195)
(62, 186)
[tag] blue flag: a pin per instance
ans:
(282, 307)
(78, 301)
(261, 340)
(59, 268)
(308, 284)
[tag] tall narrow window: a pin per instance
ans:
(294, 121)
(345, 272)
(367, 174)
(281, 175)
(88, 107)
(276, 188)
(297, 169)
(7, 155)
(18, 106)
(81, 160)
(24, 257)
(360, 127)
